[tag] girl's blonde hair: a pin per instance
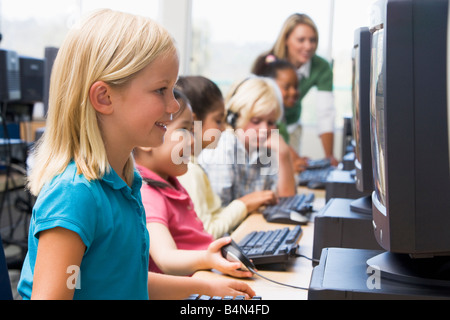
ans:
(109, 46)
(255, 96)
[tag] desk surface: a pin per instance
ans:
(298, 273)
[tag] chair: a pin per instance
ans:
(5, 284)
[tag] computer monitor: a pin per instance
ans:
(409, 134)
(361, 118)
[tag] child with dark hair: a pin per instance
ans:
(181, 245)
(209, 113)
(285, 75)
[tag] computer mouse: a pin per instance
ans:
(287, 217)
(232, 252)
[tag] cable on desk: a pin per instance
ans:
(303, 256)
(280, 283)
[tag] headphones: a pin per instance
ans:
(233, 116)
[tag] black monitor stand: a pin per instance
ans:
(362, 205)
(421, 271)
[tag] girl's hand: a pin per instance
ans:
(230, 287)
(218, 262)
(257, 199)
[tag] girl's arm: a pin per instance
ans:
(58, 250)
(327, 139)
(165, 287)
(173, 261)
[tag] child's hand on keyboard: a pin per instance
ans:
(253, 201)
(230, 288)
(218, 262)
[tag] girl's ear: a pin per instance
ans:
(99, 95)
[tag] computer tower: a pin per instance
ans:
(343, 274)
(9, 76)
(342, 184)
(338, 226)
(50, 56)
(31, 79)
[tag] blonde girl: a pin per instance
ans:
(251, 155)
(111, 91)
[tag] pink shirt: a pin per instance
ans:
(172, 207)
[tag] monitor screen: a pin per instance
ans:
(360, 106)
(361, 119)
(377, 118)
(355, 104)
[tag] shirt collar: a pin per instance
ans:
(174, 189)
(305, 70)
(112, 179)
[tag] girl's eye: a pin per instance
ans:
(161, 90)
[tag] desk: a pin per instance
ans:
(298, 273)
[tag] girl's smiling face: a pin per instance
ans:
(287, 81)
(142, 109)
(172, 157)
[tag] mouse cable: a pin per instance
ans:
(303, 256)
(280, 283)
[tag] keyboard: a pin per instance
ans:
(318, 164)
(290, 210)
(315, 178)
(206, 297)
(271, 246)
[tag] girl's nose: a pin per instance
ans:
(173, 106)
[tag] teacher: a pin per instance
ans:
(297, 42)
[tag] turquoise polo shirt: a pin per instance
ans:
(109, 217)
